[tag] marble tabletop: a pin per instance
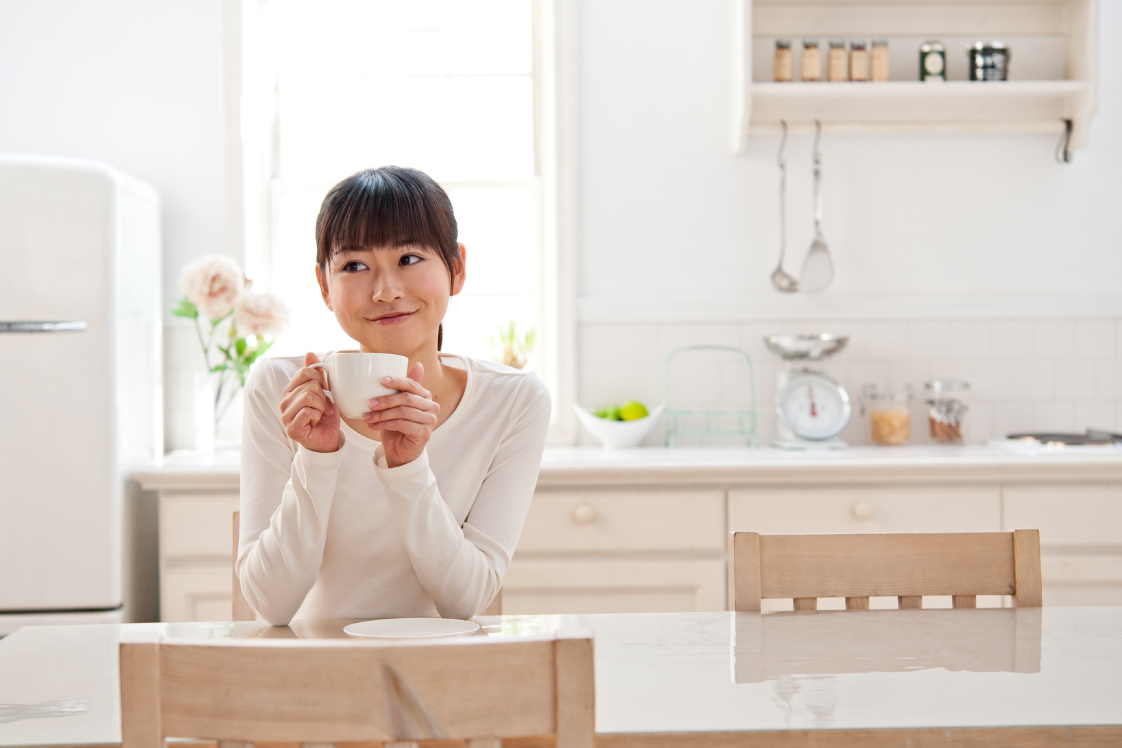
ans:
(691, 672)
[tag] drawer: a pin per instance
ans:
(880, 509)
(625, 520)
(537, 587)
(197, 527)
(1067, 515)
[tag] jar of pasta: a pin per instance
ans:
(888, 412)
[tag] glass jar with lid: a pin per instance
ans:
(946, 406)
(889, 416)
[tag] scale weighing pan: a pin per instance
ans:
(805, 347)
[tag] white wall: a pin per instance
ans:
(956, 254)
(138, 84)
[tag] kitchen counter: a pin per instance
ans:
(994, 463)
(646, 530)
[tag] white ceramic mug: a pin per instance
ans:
(355, 378)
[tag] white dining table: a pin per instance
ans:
(1008, 677)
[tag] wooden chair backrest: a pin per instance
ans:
(906, 566)
(243, 612)
(326, 691)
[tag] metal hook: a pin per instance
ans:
(817, 140)
(1063, 148)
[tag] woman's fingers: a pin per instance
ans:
(403, 399)
(409, 428)
(303, 376)
(304, 420)
(374, 420)
(405, 384)
(309, 396)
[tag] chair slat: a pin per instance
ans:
(806, 603)
(857, 603)
(964, 601)
(337, 691)
(893, 565)
(910, 602)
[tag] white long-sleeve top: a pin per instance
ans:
(340, 535)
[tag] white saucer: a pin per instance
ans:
(412, 628)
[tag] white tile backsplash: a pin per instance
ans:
(1025, 375)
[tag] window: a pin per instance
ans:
(461, 89)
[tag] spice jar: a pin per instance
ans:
(879, 61)
(932, 62)
(989, 61)
(811, 61)
(888, 412)
(858, 61)
(837, 62)
(783, 67)
(946, 407)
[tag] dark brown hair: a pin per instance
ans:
(391, 206)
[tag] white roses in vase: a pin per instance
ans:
(215, 288)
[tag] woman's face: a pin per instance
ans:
(390, 299)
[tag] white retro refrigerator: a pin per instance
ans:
(80, 385)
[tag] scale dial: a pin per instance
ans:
(814, 406)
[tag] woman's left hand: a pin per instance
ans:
(405, 419)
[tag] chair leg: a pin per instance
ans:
(806, 603)
(964, 601)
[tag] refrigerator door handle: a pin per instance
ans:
(21, 326)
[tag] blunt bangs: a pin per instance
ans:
(390, 206)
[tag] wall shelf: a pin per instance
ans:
(911, 106)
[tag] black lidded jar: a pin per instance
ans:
(988, 61)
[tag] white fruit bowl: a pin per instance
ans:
(618, 434)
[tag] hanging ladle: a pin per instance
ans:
(780, 278)
(818, 268)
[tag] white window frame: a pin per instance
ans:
(554, 154)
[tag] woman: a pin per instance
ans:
(415, 509)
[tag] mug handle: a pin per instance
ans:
(326, 376)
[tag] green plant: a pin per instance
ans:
(510, 348)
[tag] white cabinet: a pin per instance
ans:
(196, 554)
(620, 550)
(654, 537)
(1080, 539)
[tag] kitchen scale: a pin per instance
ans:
(812, 407)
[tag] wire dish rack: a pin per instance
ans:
(681, 421)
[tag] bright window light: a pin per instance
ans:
(445, 87)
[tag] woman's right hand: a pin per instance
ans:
(309, 418)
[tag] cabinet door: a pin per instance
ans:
(534, 586)
(196, 594)
(1075, 518)
(197, 527)
(1080, 539)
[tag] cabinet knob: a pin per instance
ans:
(584, 515)
(864, 509)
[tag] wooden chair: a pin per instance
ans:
(243, 612)
(322, 692)
(905, 566)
